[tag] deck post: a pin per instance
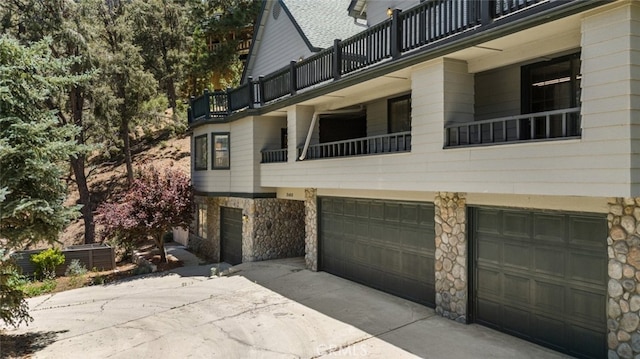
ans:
(337, 59)
(293, 78)
(396, 34)
(252, 92)
(207, 101)
(261, 89)
(487, 11)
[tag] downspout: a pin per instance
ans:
(314, 118)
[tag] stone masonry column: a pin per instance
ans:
(623, 291)
(311, 228)
(451, 255)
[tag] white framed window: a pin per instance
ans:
(221, 154)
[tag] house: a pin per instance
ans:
(479, 157)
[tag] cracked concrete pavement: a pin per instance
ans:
(272, 309)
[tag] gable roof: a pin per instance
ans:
(321, 22)
(318, 22)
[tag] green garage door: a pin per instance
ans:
(231, 235)
(386, 245)
(541, 276)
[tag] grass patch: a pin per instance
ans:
(34, 289)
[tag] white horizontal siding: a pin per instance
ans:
(210, 180)
(603, 163)
(281, 43)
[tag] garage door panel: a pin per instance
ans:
(517, 255)
(584, 339)
(409, 214)
(585, 305)
(549, 297)
(391, 212)
(427, 214)
(517, 289)
(487, 308)
(587, 267)
(377, 248)
(564, 261)
(517, 321)
(488, 222)
(376, 210)
(349, 208)
(410, 237)
(362, 209)
(550, 331)
(584, 232)
(516, 225)
(491, 282)
(489, 252)
(549, 261)
(549, 228)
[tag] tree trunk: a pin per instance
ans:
(85, 199)
(171, 95)
(76, 99)
(163, 253)
(124, 133)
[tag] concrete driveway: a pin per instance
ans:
(273, 309)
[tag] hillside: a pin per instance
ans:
(160, 149)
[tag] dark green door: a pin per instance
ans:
(386, 245)
(231, 235)
(541, 276)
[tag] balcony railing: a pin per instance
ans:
(390, 143)
(560, 124)
(274, 156)
(427, 23)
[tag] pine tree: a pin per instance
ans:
(33, 150)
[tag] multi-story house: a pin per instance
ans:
(479, 157)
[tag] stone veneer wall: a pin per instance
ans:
(311, 228)
(278, 229)
(273, 228)
(623, 304)
(205, 246)
(451, 255)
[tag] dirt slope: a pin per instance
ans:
(107, 179)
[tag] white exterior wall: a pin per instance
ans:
(498, 93)
(377, 123)
(281, 43)
(597, 165)
(266, 136)
(210, 180)
(248, 137)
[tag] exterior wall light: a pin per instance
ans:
(389, 12)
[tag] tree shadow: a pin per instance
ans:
(26, 344)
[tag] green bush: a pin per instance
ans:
(46, 262)
(75, 269)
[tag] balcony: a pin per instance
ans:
(274, 156)
(558, 124)
(433, 23)
(373, 145)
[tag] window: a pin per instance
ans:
(221, 159)
(552, 85)
(200, 153)
(548, 86)
(399, 114)
(201, 221)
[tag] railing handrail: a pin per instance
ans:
(351, 140)
(416, 27)
(274, 151)
(516, 117)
